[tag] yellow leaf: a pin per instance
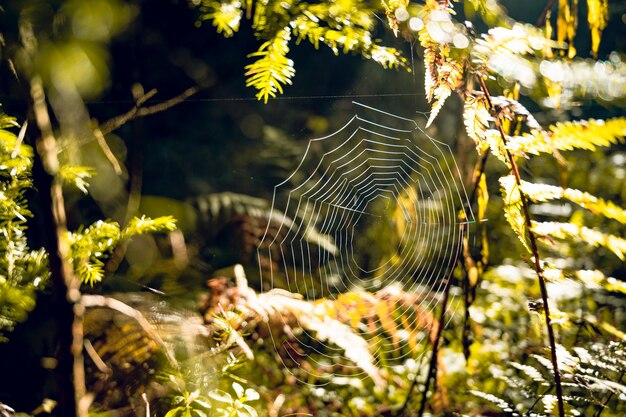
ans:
(581, 134)
(545, 192)
(476, 118)
(494, 139)
(567, 21)
(449, 75)
(615, 244)
(513, 210)
(482, 196)
(597, 16)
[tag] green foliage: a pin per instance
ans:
(92, 244)
(506, 364)
(598, 206)
(345, 26)
(272, 69)
(593, 373)
(235, 406)
(76, 176)
(189, 404)
(22, 270)
(584, 134)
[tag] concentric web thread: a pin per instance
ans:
(373, 205)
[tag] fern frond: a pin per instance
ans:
(272, 69)
(496, 145)
(357, 322)
(314, 318)
(500, 42)
(317, 25)
(388, 58)
(584, 234)
(391, 311)
(442, 73)
(512, 200)
(511, 109)
(449, 75)
(582, 134)
(530, 372)
(545, 192)
(589, 278)
(497, 401)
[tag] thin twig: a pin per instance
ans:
(478, 170)
(145, 400)
(545, 13)
(97, 360)
(134, 193)
(89, 300)
(137, 111)
(606, 402)
(108, 153)
(432, 367)
(533, 246)
(539, 397)
(69, 313)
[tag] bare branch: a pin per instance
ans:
(107, 151)
(546, 12)
(138, 111)
(89, 300)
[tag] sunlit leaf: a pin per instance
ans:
(597, 16)
(615, 244)
(513, 210)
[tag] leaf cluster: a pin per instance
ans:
(22, 270)
(345, 26)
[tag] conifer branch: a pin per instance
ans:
(535, 252)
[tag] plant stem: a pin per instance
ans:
(432, 367)
(479, 168)
(69, 312)
(545, 13)
(535, 252)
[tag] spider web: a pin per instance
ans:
(374, 204)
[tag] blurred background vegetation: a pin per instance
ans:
(151, 111)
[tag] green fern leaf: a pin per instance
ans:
(545, 192)
(592, 237)
(582, 134)
(512, 199)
